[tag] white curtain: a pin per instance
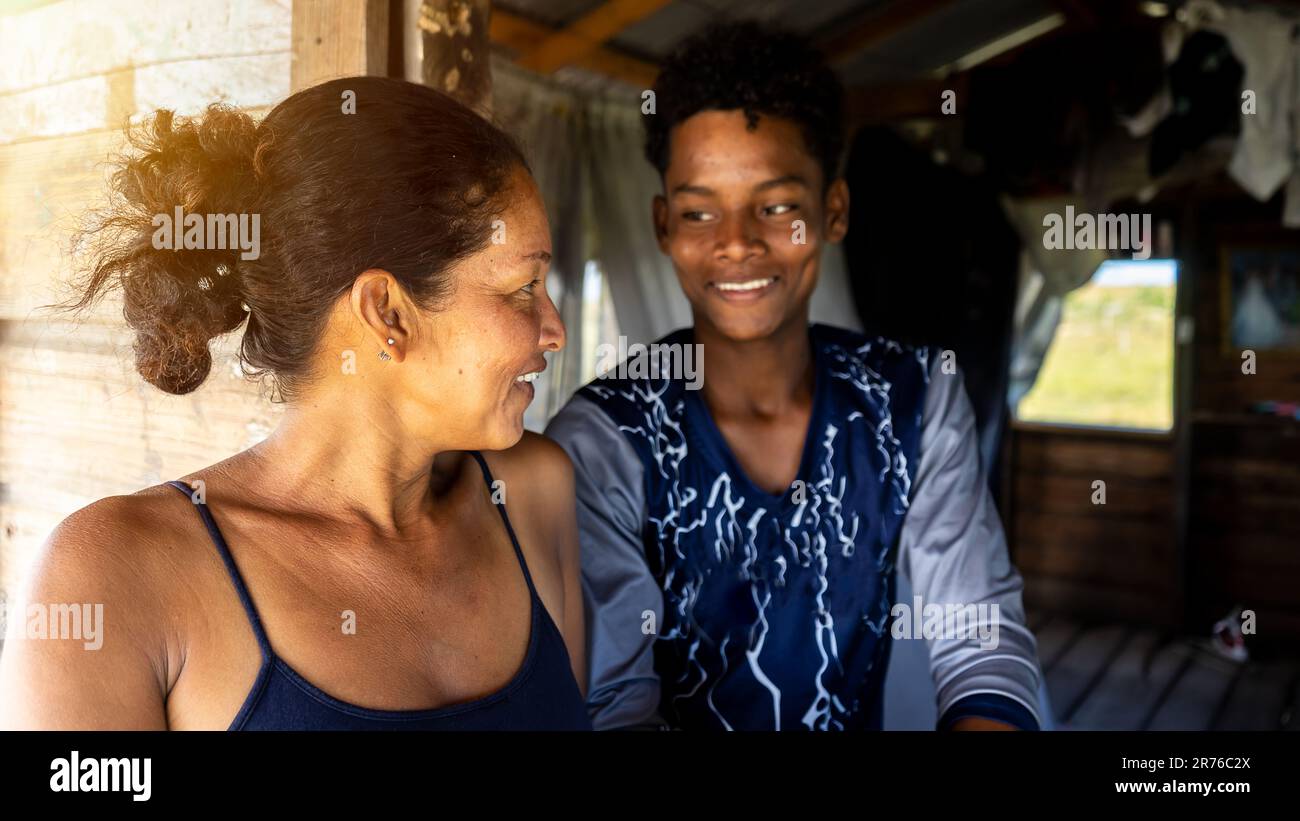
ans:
(1046, 277)
(549, 121)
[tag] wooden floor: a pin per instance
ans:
(1121, 677)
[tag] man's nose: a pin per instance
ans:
(739, 238)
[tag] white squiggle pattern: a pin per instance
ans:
(757, 635)
(767, 549)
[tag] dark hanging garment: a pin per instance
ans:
(1205, 84)
(933, 261)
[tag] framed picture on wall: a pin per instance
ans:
(1260, 284)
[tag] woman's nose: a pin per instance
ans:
(553, 335)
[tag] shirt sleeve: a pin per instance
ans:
(953, 549)
(618, 589)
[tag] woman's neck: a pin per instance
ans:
(355, 464)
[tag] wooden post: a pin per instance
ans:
(455, 50)
(337, 38)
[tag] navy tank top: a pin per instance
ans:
(543, 695)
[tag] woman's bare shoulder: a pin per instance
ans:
(96, 644)
(536, 467)
(537, 478)
(118, 544)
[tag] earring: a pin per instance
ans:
(383, 356)
(391, 340)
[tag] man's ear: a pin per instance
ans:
(836, 208)
(659, 214)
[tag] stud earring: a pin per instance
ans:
(383, 356)
(391, 340)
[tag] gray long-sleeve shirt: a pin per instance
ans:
(951, 546)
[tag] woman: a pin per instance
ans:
(357, 569)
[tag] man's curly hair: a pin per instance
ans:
(754, 68)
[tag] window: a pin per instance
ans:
(1111, 362)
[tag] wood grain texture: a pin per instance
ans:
(76, 422)
(337, 38)
(1113, 561)
(85, 65)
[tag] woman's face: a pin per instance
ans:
(482, 346)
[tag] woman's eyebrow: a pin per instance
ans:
(543, 256)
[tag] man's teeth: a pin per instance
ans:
(750, 285)
(528, 377)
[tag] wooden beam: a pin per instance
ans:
(880, 26)
(586, 34)
(1079, 15)
(337, 38)
(523, 36)
(519, 34)
(920, 98)
(1008, 47)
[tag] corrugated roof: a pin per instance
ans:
(939, 38)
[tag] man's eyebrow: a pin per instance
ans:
(543, 256)
(686, 188)
(788, 179)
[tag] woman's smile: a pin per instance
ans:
(524, 381)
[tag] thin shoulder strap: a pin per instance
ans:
(501, 508)
(235, 577)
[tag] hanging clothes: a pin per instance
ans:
(1267, 155)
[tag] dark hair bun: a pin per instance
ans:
(185, 176)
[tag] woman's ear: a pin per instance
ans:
(375, 300)
(836, 208)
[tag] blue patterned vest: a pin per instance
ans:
(776, 608)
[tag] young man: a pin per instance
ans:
(740, 541)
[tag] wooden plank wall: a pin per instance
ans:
(1244, 506)
(76, 422)
(1109, 562)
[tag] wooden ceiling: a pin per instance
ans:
(872, 42)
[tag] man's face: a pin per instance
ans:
(744, 219)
